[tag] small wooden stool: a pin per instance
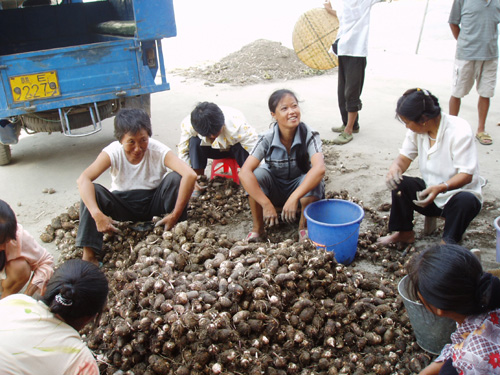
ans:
(221, 168)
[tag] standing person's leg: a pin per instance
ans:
(355, 81)
(341, 90)
(165, 197)
(462, 82)
(354, 75)
(483, 106)
(486, 83)
(458, 212)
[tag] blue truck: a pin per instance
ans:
(66, 65)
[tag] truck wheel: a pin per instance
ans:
(79, 117)
(5, 155)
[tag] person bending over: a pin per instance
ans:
(450, 282)
(447, 158)
(41, 337)
(213, 132)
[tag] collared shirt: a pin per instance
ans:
(34, 341)
(354, 26)
(478, 21)
(453, 152)
(475, 345)
(235, 130)
(39, 259)
(147, 175)
(283, 165)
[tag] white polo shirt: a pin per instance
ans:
(453, 152)
(354, 26)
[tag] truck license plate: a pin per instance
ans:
(35, 86)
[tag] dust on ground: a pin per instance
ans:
(257, 62)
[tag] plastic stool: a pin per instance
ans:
(221, 167)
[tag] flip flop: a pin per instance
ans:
(303, 235)
(484, 138)
(254, 237)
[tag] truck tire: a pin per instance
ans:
(79, 117)
(5, 155)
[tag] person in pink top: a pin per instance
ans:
(21, 257)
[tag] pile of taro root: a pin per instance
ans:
(193, 301)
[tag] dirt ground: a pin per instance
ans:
(359, 172)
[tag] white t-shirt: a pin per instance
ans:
(34, 341)
(453, 152)
(354, 26)
(148, 174)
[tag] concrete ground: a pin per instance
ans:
(53, 161)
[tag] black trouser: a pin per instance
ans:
(133, 205)
(458, 211)
(351, 77)
(199, 154)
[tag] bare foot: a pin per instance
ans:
(398, 237)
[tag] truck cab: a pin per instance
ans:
(66, 65)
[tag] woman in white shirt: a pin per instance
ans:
(41, 337)
(141, 185)
(447, 158)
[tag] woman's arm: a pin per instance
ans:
(329, 9)
(87, 192)
(311, 180)
(432, 369)
(396, 170)
(185, 189)
(251, 185)
(456, 182)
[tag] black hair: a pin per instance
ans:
(77, 289)
(451, 278)
(132, 120)
(303, 161)
(207, 119)
(8, 228)
(418, 105)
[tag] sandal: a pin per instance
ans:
(484, 138)
(254, 237)
(303, 235)
(343, 138)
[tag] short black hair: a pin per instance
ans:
(451, 278)
(131, 120)
(207, 119)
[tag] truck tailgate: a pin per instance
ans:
(68, 76)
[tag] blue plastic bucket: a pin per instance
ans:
(497, 226)
(333, 224)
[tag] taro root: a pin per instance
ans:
(192, 301)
